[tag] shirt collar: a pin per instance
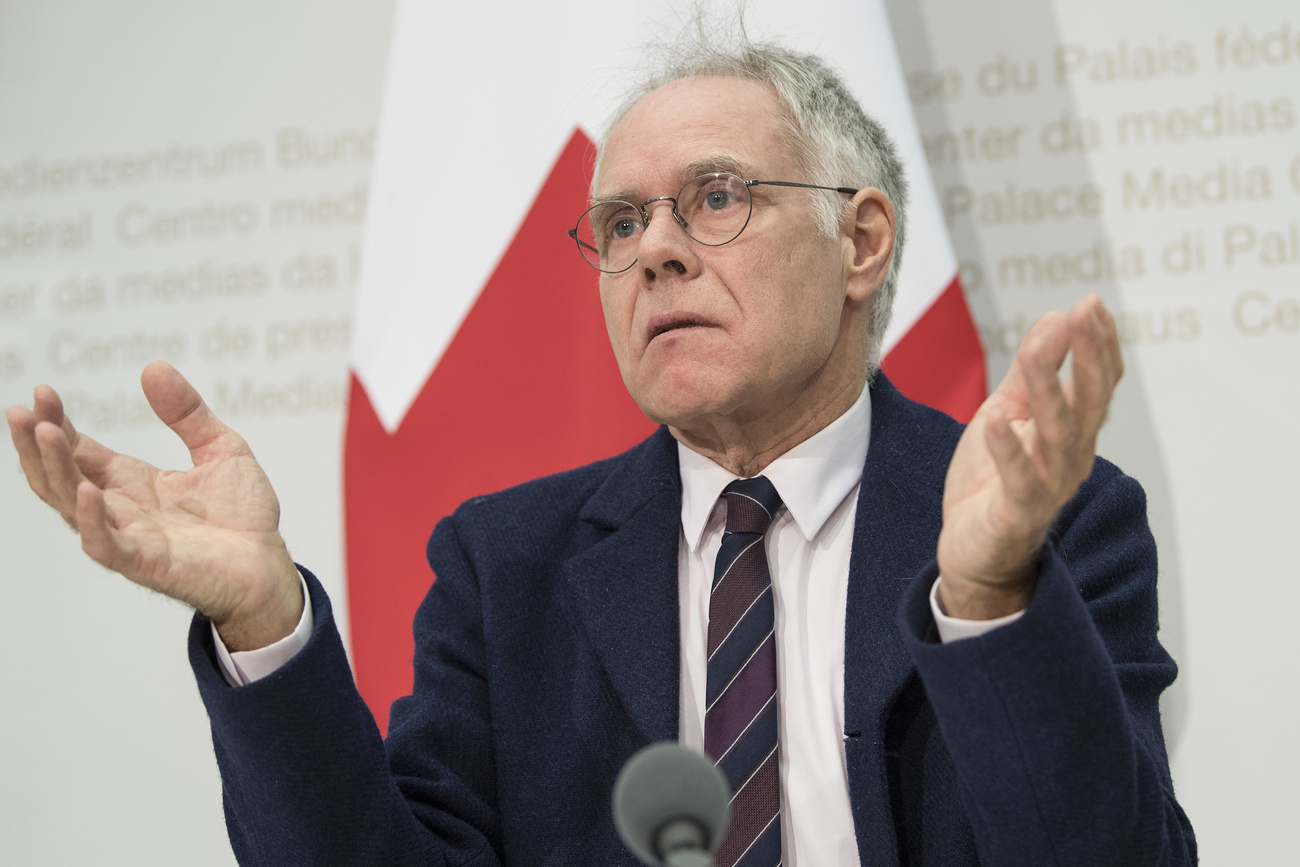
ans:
(813, 478)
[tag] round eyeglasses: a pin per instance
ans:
(712, 209)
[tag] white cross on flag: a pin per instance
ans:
(480, 354)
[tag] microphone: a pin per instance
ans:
(671, 806)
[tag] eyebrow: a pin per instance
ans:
(706, 166)
(716, 163)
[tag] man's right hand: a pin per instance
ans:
(208, 536)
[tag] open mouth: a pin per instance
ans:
(675, 324)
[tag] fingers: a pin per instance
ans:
(22, 428)
(1040, 355)
(41, 437)
(1020, 475)
(180, 407)
(1040, 359)
(46, 456)
(98, 538)
(1051, 438)
(1098, 364)
(61, 474)
(1067, 417)
(46, 407)
(90, 458)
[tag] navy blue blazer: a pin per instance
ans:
(547, 653)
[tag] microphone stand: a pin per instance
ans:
(682, 844)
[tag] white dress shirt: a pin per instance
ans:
(808, 547)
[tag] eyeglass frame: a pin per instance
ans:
(681, 221)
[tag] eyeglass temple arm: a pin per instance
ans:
(848, 191)
(573, 233)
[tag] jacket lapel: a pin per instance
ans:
(623, 582)
(895, 535)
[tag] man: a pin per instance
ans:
(574, 619)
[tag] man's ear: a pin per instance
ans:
(868, 243)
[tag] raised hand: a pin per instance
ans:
(207, 536)
(1029, 447)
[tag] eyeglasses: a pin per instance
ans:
(712, 209)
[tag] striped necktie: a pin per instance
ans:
(740, 722)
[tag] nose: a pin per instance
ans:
(665, 246)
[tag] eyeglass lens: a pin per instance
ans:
(713, 208)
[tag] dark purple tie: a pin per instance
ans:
(740, 724)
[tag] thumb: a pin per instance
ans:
(180, 407)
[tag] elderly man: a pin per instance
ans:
(758, 579)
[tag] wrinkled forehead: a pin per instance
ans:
(694, 126)
(632, 189)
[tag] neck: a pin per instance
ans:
(746, 445)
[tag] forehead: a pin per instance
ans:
(691, 125)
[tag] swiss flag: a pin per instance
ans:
(480, 357)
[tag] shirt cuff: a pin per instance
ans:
(954, 629)
(246, 666)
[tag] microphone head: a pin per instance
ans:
(663, 783)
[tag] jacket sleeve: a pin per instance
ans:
(1053, 721)
(307, 778)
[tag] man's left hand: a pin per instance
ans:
(1029, 447)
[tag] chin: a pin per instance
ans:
(679, 406)
(677, 391)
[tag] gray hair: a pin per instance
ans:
(832, 139)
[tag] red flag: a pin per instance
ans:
(459, 392)
(940, 361)
(528, 386)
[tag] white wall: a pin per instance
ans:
(104, 756)
(1168, 134)
(1168, 137)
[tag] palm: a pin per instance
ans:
(214, 520)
